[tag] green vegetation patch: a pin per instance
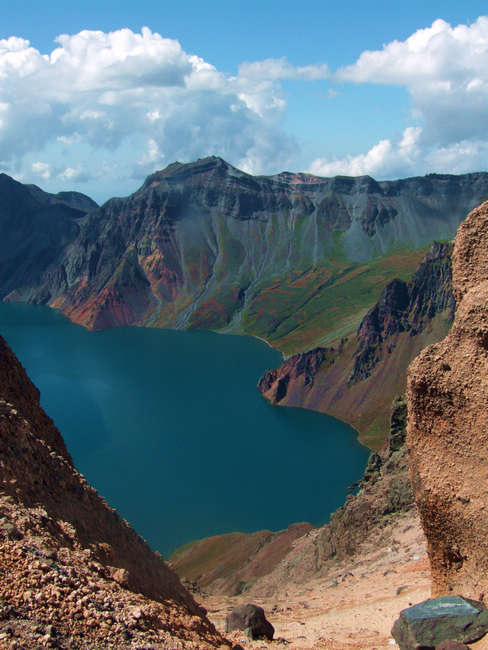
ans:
(322, 303)
(217, 311)
(217, 557)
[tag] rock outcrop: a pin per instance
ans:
(74, 574)
(357, 380)
(17, 388)
(448, 426)
(292, 258)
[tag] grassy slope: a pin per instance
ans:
(323, 303)
(232, 562)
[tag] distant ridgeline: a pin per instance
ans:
(295, 259)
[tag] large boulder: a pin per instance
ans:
(430, 624)
(250, 618)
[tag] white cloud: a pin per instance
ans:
(69, 139)
(151, 159)
(445, 71)
(257, 83)
(383, 159)
(73, 174)
(97, 91)
(439, 54)
(41, 169)
(274, 69)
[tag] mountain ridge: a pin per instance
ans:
(357, 379)
(294, 259)
(204, 245)
(407, 315)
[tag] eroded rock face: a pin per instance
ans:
(357, 380)
(16, 387)
(448, 426)
(204, 245)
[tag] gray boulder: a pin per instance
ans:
(250, 618)
(431, 623)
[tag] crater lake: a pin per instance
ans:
(169, 427)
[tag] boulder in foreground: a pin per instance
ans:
(432, 622)
(252, 619)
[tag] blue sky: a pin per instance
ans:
(386, 89)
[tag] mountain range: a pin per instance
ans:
(295, 259)
(345, 277)
(357, 379)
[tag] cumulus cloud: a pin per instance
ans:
(383, 159)
(98, 90)
(41, 169)
(445, 71)
(73, 174)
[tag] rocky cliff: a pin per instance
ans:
(357, 379)
(447, 431)
(292, 258)
(73, 573)
(35, 228)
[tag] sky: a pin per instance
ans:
(97, 94)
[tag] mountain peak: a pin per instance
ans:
(178, 171)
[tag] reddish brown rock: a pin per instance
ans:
(16, 387)
(73, 573)
(357, 380)
(230, 563)
(448, 426)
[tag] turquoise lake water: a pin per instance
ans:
(168, 426)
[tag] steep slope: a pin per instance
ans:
(35, 228)
(292, 258)
(339, 586)
(231, 563)
(16, 387)
(71, 568)
(357, 380)
(447, 432)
